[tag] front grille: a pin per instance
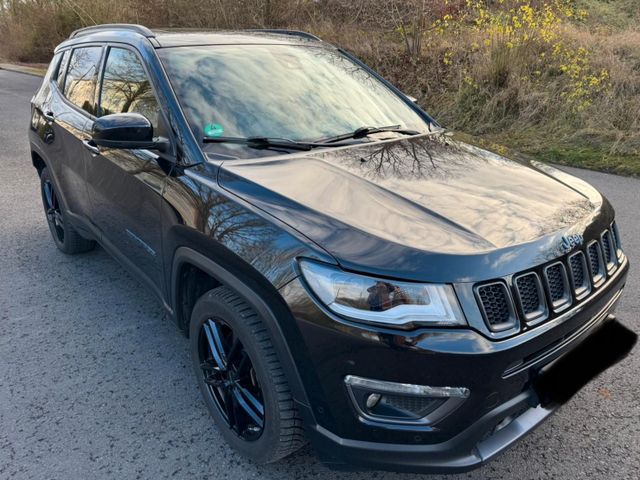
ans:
(579, 276)
(558, 286)
(495, 303)
(577, 268)
(616, 240)
(595, 263)
(594, 259)
(531, 296)
(556, 282)
(606, 247)
(562, 283)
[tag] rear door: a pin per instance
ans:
(69, 109)
(125, 186)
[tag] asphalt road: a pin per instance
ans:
(96, 383)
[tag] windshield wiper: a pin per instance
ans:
(364, 131)
(268, 142)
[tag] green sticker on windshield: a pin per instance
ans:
(213, 130)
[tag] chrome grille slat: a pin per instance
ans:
(609, 251)
(616, 240)
(606, 247)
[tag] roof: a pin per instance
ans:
(164, 37)
(177, 38)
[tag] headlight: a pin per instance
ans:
(381, 301)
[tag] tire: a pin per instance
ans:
(222, 317)
(66, 238)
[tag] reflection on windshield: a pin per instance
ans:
(286, 91)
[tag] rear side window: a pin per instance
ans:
(45, 88)
(126, 87)
(62, 69)
(80, 82)
(52, 71)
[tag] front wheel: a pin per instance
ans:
(66, 238)
(241, 379)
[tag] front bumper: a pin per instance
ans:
(467, 450)
(500, 374)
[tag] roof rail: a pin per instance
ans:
(293, 33)
(142, 30)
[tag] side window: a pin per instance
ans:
(45, 88)
(52, 71)
(62, 69)
(80, 82)
(126, 88)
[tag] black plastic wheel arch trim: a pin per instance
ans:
(189, 256)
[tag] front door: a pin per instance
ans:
(125, 186)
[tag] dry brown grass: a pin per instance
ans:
(515, 95)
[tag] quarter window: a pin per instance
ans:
(126, 87)
(80, 82)
(62, 68)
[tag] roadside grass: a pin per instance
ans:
(572, 155)
(591, 159)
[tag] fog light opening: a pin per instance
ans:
(403, 403)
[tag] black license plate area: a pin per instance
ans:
(560, 380)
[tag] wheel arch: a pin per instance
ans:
(38, 162)
(264, 299)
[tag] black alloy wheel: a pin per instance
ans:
(231, 378)
(244, 386)
(52, 210)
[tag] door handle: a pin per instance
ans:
(89, 145)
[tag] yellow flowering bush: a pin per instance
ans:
(505, 31)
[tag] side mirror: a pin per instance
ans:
(126, 130)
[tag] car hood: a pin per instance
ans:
(425, 207)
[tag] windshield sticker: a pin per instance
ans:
(213, 130)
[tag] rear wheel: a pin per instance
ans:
(241, 378)
(66, 238)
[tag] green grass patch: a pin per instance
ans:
(617, 14)
(559, 147)
(593, 159)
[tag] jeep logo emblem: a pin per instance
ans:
(569, 242)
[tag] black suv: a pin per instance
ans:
(348, 271)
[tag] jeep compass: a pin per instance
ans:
(348, 272)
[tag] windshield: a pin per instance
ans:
(284, 91)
